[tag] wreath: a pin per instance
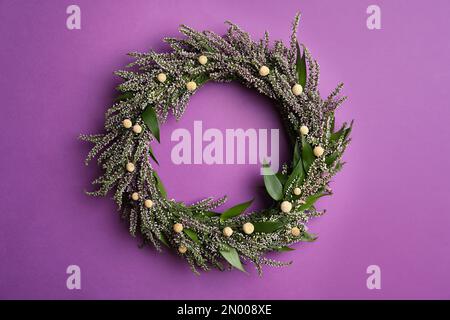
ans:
(158, 82)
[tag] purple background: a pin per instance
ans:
(391, 201)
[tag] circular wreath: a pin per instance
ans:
(159, 82)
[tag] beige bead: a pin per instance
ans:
(161, 77)
(297, 89)
(177, 227)
(127, 123)
(295, 231)
(248, 228)
(191, 86)
(203, 59)
(148, 203)
(137, 129)
(304, 130)
(135, 196)
(182, 249)
(318, 151)
(297, 191)
(227, 231)
(286, 206)
(130, 167)
(264, 71)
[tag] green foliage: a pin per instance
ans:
(273, 184)
(235, 211)
(232, 257)
(307, 154)
(269, 226)
(151, 120)
(300, 67)
(192, 234)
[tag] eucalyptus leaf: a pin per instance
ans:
(192, 234)
(235, 211)
(268, 226)
(307, 154)
(230, 254)
(300, 67)
(151, 120)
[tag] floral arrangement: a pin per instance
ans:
(158, 83)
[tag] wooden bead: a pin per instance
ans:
(304, 130)
(203, 59)
(297, 191)
(148, 203)
(318, 151)
(161, 77)
(178, 227)
(297, 89)
(227, 232)
(135, 196)
(286, 206)
(191, 86)
(248, 228)
(137, 129)
(130, 167)
(127, 123)
(295, 231)
(264, 71)
(182, 249)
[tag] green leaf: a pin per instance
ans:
(273, 185)
(284, 248)
(230, 254)
(344, 131)
(151, 120)
(211, 214)
(152, 155)
(235, 211)
(300, 66)
(268, 226)
(192, 234)
(296, 175)
(339, 166)
(163, 240)
(124, 96)
(308, 237)
(201, 79)
(296, 157)
(309, 202)
(307, 154)
(281, 177)
(160, 185)
(332, 158)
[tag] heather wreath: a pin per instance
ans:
(156, 83)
